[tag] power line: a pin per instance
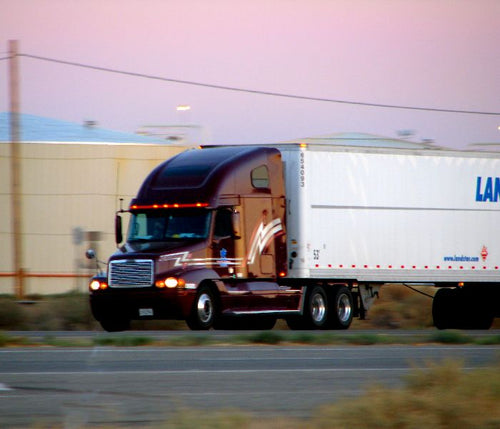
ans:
(258, 92)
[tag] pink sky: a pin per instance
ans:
(426, 53)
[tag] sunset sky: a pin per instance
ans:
(442, 54)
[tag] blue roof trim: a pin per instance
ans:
(40, 129)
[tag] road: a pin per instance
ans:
(142, 386)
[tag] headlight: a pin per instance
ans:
(170, 282)
(97, 285)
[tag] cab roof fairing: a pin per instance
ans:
(211, 175)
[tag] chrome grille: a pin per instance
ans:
(131, 273)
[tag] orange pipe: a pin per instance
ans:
(48, 275)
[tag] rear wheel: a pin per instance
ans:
(318, 308)
(315, 311)
(203, 312)
(469, 308)
(341, 308)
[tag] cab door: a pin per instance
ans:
(223, 247)
(227, 261)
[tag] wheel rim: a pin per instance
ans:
(344, 308)
(205, 308)
(318, 308)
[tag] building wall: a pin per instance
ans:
(70, 193)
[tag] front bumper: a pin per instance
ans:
(140, 303)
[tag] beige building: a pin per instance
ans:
(72, 178)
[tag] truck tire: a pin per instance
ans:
(317, 308)
(115, 325)
(341, 308)
(315, 311)
(202, 316)
(469, 308)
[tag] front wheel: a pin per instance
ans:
(202, 314)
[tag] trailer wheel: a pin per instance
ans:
(469, 308)
(115, 325)
(202, 314)
(341, 308)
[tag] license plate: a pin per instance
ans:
(144, 312)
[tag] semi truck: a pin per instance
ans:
(236, 237)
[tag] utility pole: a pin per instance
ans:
(15, 168)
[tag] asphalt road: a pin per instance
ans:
(140, 386)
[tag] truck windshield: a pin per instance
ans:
(169, 225)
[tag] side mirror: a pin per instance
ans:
(90, 254)
(118, 229)
(236, 221)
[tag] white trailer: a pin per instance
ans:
(390, 215)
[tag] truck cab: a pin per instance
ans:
(206, 243)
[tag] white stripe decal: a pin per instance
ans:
(182, 258)
(262, 238)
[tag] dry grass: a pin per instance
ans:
(441, 396)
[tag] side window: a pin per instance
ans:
(260, 177)
(139, 226)
(223, 224)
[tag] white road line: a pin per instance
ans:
(258, 348)
(223, 371)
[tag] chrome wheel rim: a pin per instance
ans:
(318, 308)
(205, 308)
(344, 308)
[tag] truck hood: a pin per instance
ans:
(168, 257)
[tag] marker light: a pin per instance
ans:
(167, 206)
